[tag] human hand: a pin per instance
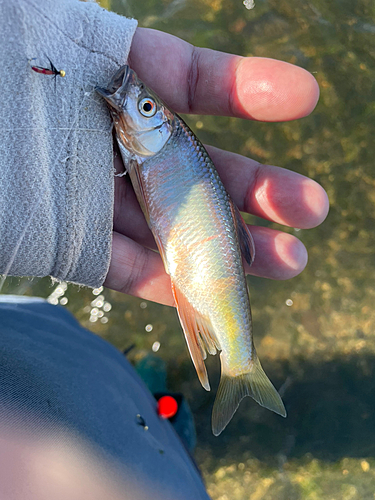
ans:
(203, 81)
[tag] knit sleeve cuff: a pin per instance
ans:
(56, 145)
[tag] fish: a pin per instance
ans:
(201, 237)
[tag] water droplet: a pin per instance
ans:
(155, 346)
(94, 311)
(143, 305)
(64, 301)
(107, 306)
(93, 319)
(365, 466)
(289, 302)
(97, 291)
(104, 320)
(249, 4)
(52, 300)
(149, 328)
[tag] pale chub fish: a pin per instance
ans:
(201, 237)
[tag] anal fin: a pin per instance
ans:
(198, 334)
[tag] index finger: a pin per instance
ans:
(204, 81)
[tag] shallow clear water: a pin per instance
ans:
(315, 334)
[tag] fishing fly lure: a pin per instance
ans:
(52, 70)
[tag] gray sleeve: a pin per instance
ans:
(56, 153)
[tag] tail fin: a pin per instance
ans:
(233, 389)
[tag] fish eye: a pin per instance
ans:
(147, 107)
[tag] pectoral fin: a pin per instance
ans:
(135, 177)
(162, 252)
(245, 237)
(199, 335)
(136, 180)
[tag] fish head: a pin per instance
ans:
(143, 123)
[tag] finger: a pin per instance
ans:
(138, 271)
(273, 193)
(278, 255)
(204, 81)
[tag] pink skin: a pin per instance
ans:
(193, 80)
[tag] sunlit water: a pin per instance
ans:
(315, 333)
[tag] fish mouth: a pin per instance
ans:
(115, 93)
(120, 79)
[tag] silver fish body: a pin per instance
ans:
(201, 237)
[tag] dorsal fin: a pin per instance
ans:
(245, 237)
(198, 334)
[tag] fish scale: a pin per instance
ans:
(201, 237)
